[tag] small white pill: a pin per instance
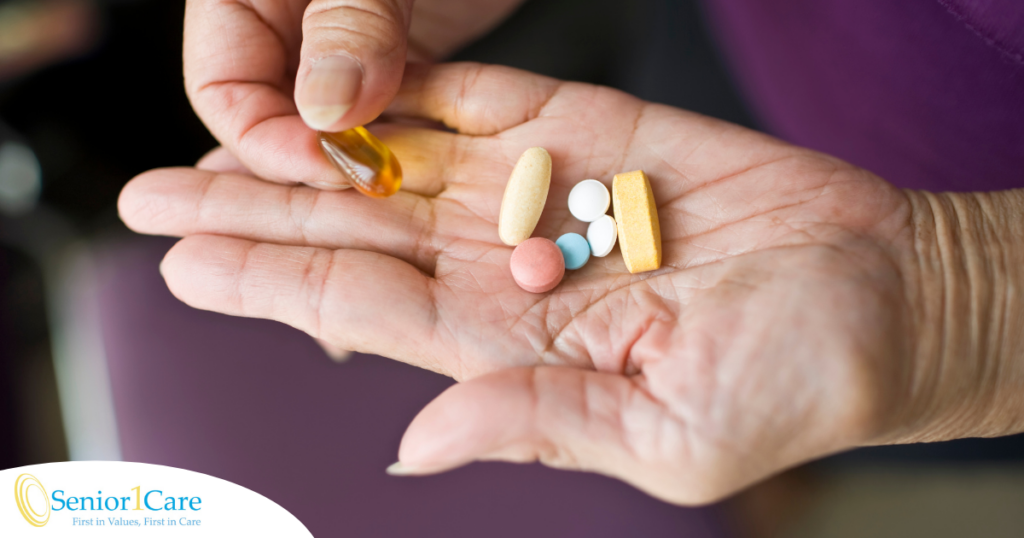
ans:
(601, 235)
(589, 200)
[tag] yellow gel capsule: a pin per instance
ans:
(364, 161)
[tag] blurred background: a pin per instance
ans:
(98, 361)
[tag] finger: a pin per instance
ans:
(219, 159)
(563, 417)
(352, 57)
(472, 98)
(185, 201)
(239, 77)
(354, 299)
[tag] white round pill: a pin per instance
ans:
(589, 200)
(601, 235)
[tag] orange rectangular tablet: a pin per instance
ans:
(637, 217)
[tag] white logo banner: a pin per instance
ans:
(110, 498)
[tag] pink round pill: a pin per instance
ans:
(537, 265)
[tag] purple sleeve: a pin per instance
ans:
(927, 94)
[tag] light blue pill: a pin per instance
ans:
(575, 250)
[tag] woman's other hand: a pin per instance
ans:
(253, 67)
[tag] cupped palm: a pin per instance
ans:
(774, 331)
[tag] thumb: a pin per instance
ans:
(352, 58)
(563, 417)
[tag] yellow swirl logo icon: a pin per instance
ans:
(22, 490)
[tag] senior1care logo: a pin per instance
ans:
(102, 498)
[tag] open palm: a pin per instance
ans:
(771, 335)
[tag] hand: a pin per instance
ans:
(785, 323)
(342, 59)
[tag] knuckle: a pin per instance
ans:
(359, 25)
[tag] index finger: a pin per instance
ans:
(472, 98)
(240, 59)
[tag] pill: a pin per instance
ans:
(601, 235)
(588, 200)
(537, 265)
(525, 195)
(636, 216)
(364, 160)
(574, 249)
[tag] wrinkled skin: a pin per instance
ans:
(246, 62)
(775, 331)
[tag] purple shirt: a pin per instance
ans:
(928, 94)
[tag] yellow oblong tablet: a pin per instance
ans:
(525, 196)
(637, 218)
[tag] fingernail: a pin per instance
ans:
(400, 469)
(397, 469)
(331, 186)
(338, 355)
(329, 91)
